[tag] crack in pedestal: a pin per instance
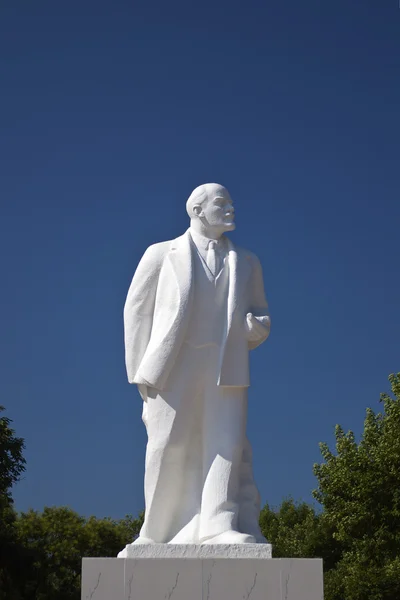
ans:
(168, 596)
(252, 588)
(209, 579)
(130, 580)
(287, 587)
(90, 595)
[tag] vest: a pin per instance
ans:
(209, 309)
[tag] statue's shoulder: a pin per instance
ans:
(159, 248)
(158, 251)
(245, 254)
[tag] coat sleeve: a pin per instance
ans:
(139, 309)
(258, 301)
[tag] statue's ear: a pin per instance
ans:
(197, 210)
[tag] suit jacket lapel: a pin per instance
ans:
(180, 256)
(239, 271)
(232, 288)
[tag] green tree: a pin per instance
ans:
(296, 530)
(54, 543)
(12, 461)
(41, 553)
(12, 465)
(291, 529)
(359, 489)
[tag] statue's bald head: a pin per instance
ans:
(210, 209)
(202, 193)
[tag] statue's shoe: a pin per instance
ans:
(231, 537)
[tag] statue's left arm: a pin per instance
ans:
(138, 310)
(258, 321)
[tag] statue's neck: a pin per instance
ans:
(211, 233)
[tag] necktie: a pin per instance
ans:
(212, 258)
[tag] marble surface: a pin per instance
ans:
(202, 579)
(199, 551)
(195, 309)
(102, 579)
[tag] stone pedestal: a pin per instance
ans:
(165, 572)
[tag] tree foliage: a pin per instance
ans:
(41, 552)
(359, 489)
(53, 544)
(291, 529)
(296, 530)
(12, 461)
(12, 465)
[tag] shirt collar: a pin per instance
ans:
(202, 242)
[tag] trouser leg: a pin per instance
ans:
(249, 497)
(224, 426)
(170, 474)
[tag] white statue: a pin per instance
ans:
(195, 308)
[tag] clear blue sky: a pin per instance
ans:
(111, 113)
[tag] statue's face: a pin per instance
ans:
(218, 211)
